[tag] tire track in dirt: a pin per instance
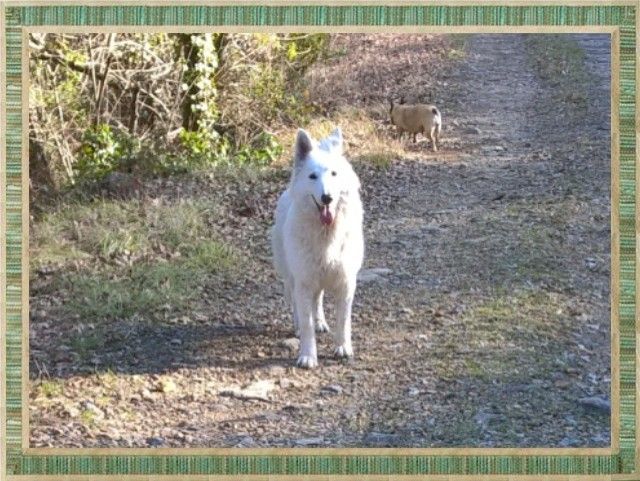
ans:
(529, 185)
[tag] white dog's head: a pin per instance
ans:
(322, 178)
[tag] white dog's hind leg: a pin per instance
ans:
(318, 313)
(343, 328)
(308, 357)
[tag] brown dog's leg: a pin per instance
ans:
(434, 138)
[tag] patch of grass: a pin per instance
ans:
(211, 256)
(104, 228)
(537, 234)
(85, 343)
(336, 52)
(457, 46)
(381, 160)
(559, 59)
(366, 137)
(456, 54)
(144, 288)
(142, 256)
(107, 229)
(50, 388)
(108, 379)
(499, 332)
(179, 226)
(57, 252)
(95, 296)
(103, 401)
(88, 418)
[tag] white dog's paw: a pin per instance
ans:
(343, 351)
(307, 362)
(322, 326)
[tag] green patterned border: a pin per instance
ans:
(622, 16)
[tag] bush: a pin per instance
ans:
(265, 151)
(164, 103)
(104, 150)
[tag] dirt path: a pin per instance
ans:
(482, 314)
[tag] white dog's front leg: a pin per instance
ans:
(289, 296)
(343, 329)
(296, 322)
(308, 357)
(321, 324)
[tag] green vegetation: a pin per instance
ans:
(559, 59)
(124, 258)
(163, 103)
(501, 331)
(50, 388)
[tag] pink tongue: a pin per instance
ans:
(325, 216)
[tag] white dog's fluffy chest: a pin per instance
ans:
(329, 257)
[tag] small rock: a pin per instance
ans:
(600, 439)
(333, 388)
(482, 418)
(308, 442)
(95, 411)
(72, 412)
(372, 275)
(568, 442)
(155, 442)
(146, 394)
(596, 402)
(293, 344)
(592, 264)
(245, 442)
(432, 229)
(277, 371)
(175, 341)
(285, 383)
(45, 270)
(378, 439)
(493, 148)
(406, 310)
(413, 391)
(166, 386)
(258, 390)
(382, 271)
(471, 130)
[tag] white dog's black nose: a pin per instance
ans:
(326, 199)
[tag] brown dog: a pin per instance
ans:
(417, 119)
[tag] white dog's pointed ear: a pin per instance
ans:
(303, 145)
(333, 143)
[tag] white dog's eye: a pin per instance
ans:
(313, 176)
(334, 173)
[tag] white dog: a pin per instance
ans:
(317, 241)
